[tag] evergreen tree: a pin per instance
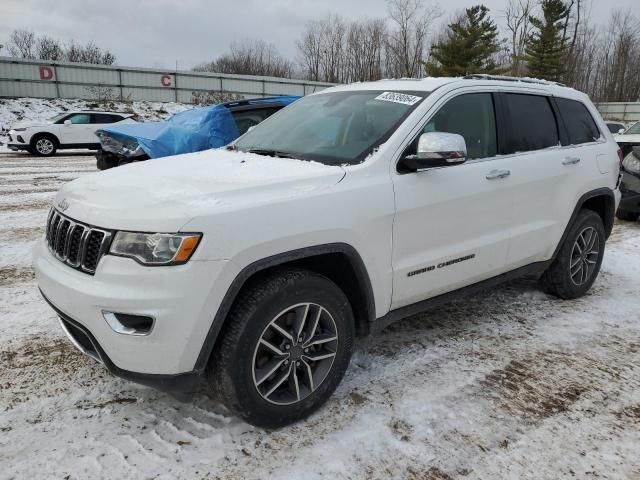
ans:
(470, 46)
(546, 49)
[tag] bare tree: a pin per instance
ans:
(48, 48)
(406, 43)
(517, 15)
(89, 53)
(22, 44)
(251, 57)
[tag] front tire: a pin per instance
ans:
(285, 348)
(44, 145)
(578, 262)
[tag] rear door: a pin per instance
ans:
(451, 226)
(543, 176)
(101, 120)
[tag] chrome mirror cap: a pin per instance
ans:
(447, 147)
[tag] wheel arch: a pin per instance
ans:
(602, 201)
(34, 138)
(340, 262)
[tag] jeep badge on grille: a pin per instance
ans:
(63, 205)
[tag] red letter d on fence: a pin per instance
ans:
(46, 73)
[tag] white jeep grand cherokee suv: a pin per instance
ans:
(63, 131)
(253, 268)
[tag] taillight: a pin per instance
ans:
(620, 155)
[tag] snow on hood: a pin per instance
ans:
(165, 193)
(30, 123)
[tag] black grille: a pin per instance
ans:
(78, 245)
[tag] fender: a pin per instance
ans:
(273, 261)
(609, 214)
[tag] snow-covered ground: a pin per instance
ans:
(13, 110)
(509, 384)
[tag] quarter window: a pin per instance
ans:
(580, 125)
(531, 123)
(472, 116)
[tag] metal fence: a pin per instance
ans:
(624, 112)
(33, 78)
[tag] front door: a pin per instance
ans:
(451, 227)
(80, 131)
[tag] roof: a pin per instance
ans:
(430, 84)
(99, 111)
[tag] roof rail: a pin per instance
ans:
(504, 78)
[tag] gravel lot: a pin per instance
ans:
(511, 383)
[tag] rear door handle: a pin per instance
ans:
(493, 174)
(571, 160)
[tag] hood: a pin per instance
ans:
(164, 194)
(30, 123)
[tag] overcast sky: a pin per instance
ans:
(157, 33)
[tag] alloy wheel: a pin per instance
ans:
(44, 146)
(295, 353)
(584, 256)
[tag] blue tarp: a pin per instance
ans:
(186, 132)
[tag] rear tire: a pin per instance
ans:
(627, 216)
(44, 145)
(578, 262)
(276, 362)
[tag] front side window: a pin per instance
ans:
(332, 128)
(80, 118)
(581, 128)
(531, 123)
(472, 116)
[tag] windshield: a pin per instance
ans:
(332, 128)
(57, 117)
(633, 129)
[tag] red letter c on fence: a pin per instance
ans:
(46, 73)
(165, 80)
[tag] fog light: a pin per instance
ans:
(128, 324)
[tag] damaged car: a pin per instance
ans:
(185, 132)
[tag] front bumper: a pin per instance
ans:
(183, 300)
(630, 190)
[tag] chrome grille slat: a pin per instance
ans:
(61, 238)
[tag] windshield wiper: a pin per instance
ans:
(270, 153)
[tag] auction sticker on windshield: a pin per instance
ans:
(399, 98)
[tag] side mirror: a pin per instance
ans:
(621, 131)
(67, 122)
(436, 149)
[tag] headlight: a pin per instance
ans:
(155, 248)
(631, 163)
(19, 129)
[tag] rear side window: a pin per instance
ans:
(581, 128)
(245, 119)
(531, 123)
(105, 118)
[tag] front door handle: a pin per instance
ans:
(571, 160)
(493, 174)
